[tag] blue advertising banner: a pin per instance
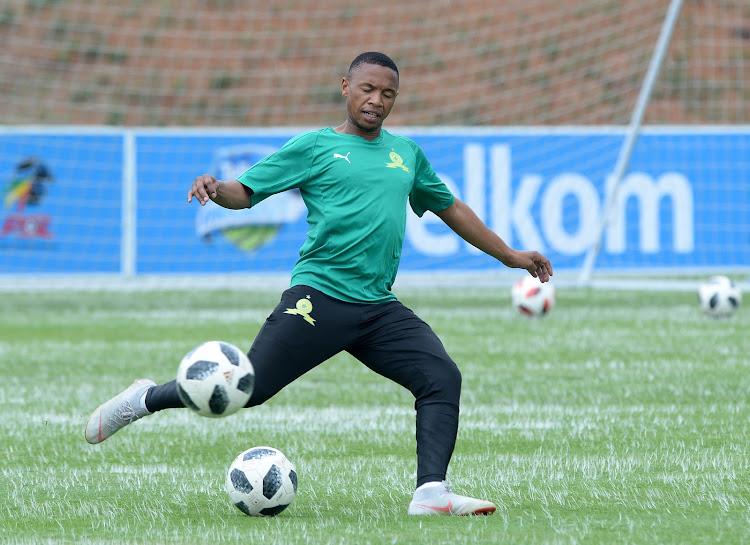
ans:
(684, 202)
(62, 203)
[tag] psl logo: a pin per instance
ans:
(26, 188)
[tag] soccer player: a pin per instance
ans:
(356, 180)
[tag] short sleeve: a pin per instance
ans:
(429, 191)
(287, 168)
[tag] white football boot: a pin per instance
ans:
(437, 499)
(113, 415)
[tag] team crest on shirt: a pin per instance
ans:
(396, 162)
(303, 308)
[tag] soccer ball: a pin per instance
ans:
(262, 482)
(531, 297)
(719, 297)
(215, 379)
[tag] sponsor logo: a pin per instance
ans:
(528, 210)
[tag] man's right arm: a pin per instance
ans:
(229, 194)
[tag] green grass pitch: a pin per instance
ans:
(622, 417)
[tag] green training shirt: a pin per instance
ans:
(355, 191)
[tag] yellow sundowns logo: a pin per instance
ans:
(303, 308)
(397, 162)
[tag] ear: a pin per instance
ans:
(344, 87)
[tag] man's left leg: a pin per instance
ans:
(398, 345)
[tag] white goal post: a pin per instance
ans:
(636, 121)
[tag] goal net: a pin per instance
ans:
(111, 109)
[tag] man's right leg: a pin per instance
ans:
(290, 343)
(305, 329)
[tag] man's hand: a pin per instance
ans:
(534, 262)
(204, 187)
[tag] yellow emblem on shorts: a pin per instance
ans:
(397, 162)
(302, 308)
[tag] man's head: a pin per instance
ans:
(372, 57)
(370, 88)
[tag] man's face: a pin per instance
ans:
(370, 93)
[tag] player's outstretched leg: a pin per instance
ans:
(118, 412)
(436, 498)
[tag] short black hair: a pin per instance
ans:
(372, 57)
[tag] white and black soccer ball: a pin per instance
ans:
(531, 297)
(215, 379)
(719, 297)
(262, 482)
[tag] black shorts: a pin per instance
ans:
(308, 327)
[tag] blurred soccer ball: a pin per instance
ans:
(719, 297)
(262, 482)
(531, 297)
(215, 379)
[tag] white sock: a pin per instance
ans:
(430, 484)
(142, 402)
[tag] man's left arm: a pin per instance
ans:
(466, 224)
